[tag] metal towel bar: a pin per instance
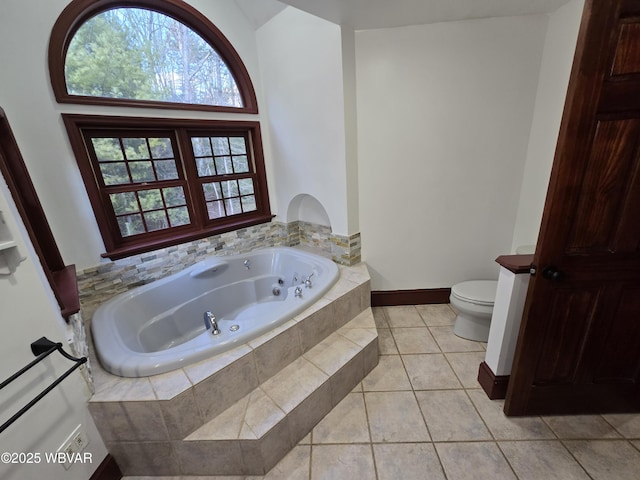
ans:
(41, 348)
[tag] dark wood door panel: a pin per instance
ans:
(619, 339)
(608, 184)
(581, 399)
(630, 8)
(568, 325)
(619, 96)
(627, 55)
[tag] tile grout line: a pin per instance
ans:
(613, 426)
(495, 441)
(584, 469)
(413, 391)
(366, 414)
(364, 401)
(414, 396)
(310, 453)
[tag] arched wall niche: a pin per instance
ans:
(309, 225)
(307, 208)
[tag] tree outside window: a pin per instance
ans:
(135, 53)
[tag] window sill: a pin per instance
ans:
(144, 247)
(66, 289)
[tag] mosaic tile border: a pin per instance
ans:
(102, 282)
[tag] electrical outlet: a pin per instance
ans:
(80, 439)
(74, 444)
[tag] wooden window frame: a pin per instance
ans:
(117, 246)
(61, 277)
(79, 11)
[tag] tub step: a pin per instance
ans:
(239, 412)
(252, 435)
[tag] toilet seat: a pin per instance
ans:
(477, 292)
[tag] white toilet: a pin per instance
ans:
(474, 302)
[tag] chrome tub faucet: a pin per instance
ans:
(210, 323)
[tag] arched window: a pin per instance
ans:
(146, 53)
(156, 182)
(139, 54)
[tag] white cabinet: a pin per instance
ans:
(9, 255)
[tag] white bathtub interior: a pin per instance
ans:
(159, 327)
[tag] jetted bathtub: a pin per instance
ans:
(160, 327)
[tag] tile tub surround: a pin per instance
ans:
(240, 412)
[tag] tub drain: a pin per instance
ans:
(234, 328)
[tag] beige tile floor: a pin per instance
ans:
(420, 414)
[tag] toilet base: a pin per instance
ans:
(472, 327)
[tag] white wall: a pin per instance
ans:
(302, 79)
(559, 48)
(444, 113)
(29, 312)
(27, 98)
(351, 127)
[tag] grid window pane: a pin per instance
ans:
(233, 206)
(246, 186)
(166, 169)
(201, 146)
(220, 146)
(215, 210)
(174, 196)
(224, 165)
(141, 172)
(205, 167)
(130, 225)
(107, 149)
(212, 191)
(150, 199)
(179, 216)
(161, 148)
(157, 215)
(124, 203)
(136, 148)
(156, 220)
(137, 165)
(229, 155)
(248, 203)
(114, 173)
(241, 164)
(230, 188)
(238, 145)
(238, 196)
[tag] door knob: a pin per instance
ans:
(552, 273)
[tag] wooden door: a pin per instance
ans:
(579, 344)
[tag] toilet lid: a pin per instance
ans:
(480, 292)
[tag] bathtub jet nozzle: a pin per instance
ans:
(210, 323)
